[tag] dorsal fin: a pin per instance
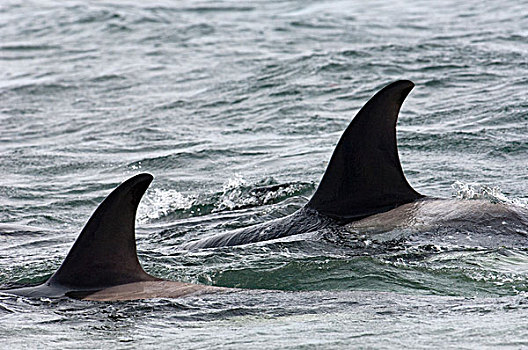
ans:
(364, 175)
(104, 254)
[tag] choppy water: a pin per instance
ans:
(235, 107)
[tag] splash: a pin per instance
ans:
(237, 193)
(478, 191)
(159, 203)
(233, 194)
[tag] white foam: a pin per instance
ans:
(159, 203)
(478, 191)
(234, 194)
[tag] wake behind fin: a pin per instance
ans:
(104, 254)
(364, 176)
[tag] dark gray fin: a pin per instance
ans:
(364, 176)
(104, 254)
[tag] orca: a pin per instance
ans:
(102, 264)
(364, 186)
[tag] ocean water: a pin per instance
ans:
(235, 108)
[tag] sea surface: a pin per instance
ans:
(235, 108)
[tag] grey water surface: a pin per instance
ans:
(235, 108)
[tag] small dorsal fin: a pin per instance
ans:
(104, 254)
(364, 176)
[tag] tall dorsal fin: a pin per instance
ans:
(104, 254)
(364, 175)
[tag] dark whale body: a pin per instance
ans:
(103, 264)
(364, 179)
(363, 188)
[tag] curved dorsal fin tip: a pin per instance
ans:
(140, 177)
(403, 83)
(364, 175)
(404, 87)
(138, 183)
(104, 254)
